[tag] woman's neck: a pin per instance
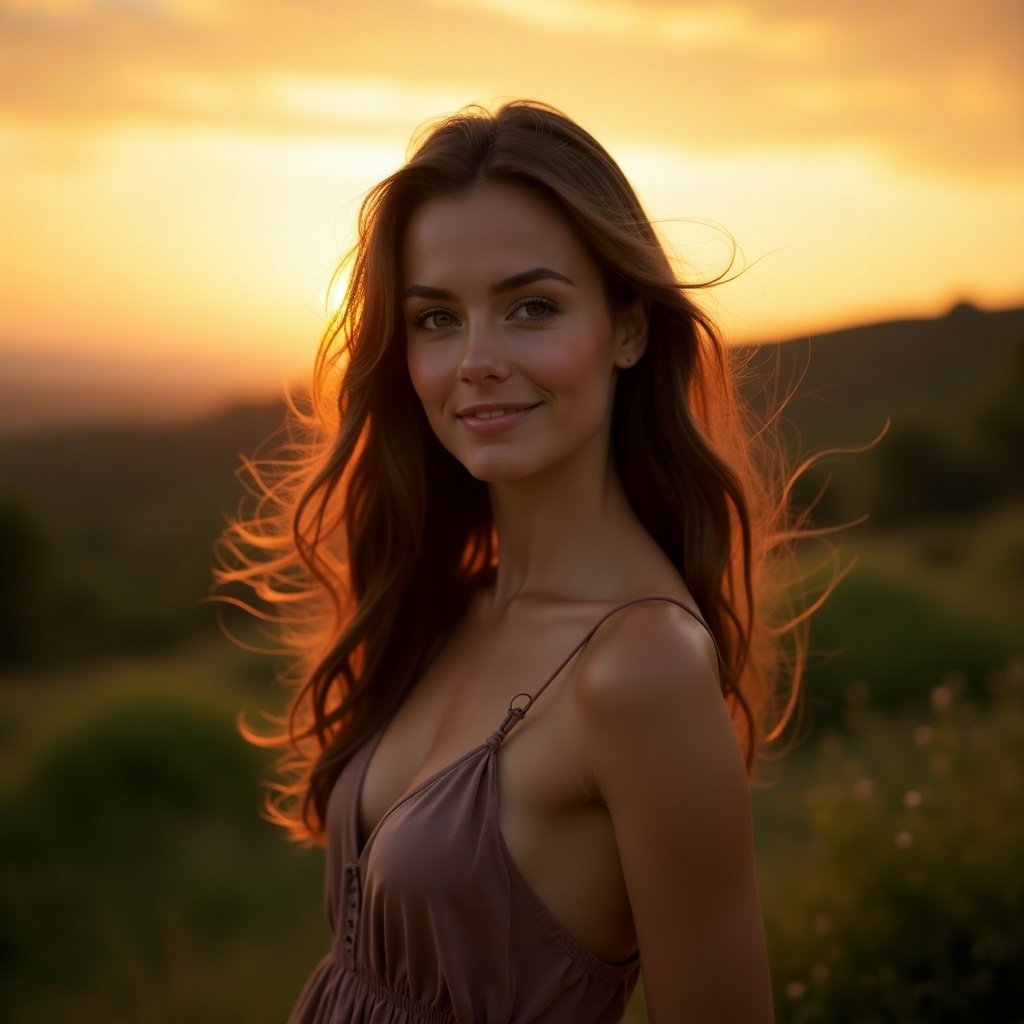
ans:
(570, 534)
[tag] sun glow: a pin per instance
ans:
(180, 185)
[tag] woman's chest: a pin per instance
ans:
(458, 703)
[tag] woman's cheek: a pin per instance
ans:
(428, 376)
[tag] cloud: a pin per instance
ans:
(736, 27)
(934, 83)
(44, 8)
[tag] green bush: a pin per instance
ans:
(24, 583)
(902, 897)
(924, 469)
(895, 637)
(139, 882)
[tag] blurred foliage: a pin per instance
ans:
(949, 460)
(999, 417)
(139, 882)
(924, 469)
(892, 637)
(24, 597)
(112, 534)
(891, 866)
(919, 600)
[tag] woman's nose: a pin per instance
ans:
(483, 355)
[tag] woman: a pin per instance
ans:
(521, 576)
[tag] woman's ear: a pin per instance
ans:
(630, 333)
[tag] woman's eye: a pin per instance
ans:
(435, 320)
(534, 309)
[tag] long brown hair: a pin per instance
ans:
(368, 537)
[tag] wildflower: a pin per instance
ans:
(942, 698)
(820, 973)
(924, 735)
(823, 924)
(904, 839)
(863, 788)
(796, 990)
(1015, 673)
(912, 799)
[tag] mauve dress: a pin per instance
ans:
(433, 922)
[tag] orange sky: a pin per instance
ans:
(180, 176)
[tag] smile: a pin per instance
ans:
(494, 418)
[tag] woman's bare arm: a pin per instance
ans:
(667, 765)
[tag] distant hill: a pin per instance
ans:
(849, 381)
(63, 390)
(106, 535)
(167, 470)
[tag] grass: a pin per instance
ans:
(890, 865)
(943, 596)
(975, 573)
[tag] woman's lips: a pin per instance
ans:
(493, 418)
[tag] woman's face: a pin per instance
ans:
(511, 345)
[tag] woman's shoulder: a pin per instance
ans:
(648, 682)
(652, 716)
(648, 655)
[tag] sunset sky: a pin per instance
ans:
(180, 177)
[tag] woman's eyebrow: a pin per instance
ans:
(422, 291)
(528, 277)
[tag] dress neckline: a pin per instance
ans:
(514, 715)
(594, 964)
(355, 828)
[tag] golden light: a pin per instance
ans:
(182, 177)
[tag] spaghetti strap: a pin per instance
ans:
(517, 708)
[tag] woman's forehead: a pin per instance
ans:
(491, 233)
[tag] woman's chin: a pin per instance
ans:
(499, 470)
(497, 474)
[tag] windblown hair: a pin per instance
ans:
(368, 537)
